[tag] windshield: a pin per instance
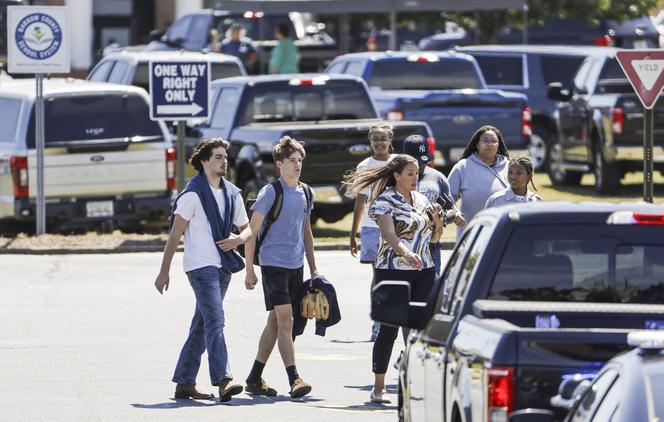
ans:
(92, 117)
(444, 74)
(609, 264)
(282, 102)
(612, 79)
(257, 28)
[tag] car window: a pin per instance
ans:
(405, 74)
(612, 79)
(335, 100)
(452, 269)
(586, 406)
(337, 67)
(355, 68)
(598, 263)
(92, 116)
(560, 68)
(470, 264)
(582, 74)
(118, 72)
(198, 34)
(100, 72)
(9, 118)
(179, 29)
(501, 70)
(226, 101)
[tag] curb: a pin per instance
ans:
(332, 246)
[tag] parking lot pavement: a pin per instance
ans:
(87, 337)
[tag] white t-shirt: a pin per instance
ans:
(199, 247)
(368, 164)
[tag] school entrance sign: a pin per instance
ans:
(38, 39)
(645, 71)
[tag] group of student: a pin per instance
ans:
(397, 209)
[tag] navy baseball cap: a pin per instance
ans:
(417, 147)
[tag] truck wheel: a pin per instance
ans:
(558, 174)
(9, 228)
(537, 148)
(607, 175)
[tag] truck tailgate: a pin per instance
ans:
(139, 168)
(336, 147)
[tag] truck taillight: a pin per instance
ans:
(500, 393)
(19, 170)
(526, 122)
(170, 168)
(394, 114)
(617, 120)
(431, 144)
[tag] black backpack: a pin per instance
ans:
(274, 211)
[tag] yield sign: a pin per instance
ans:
(644, 71)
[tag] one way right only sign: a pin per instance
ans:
(644, 69)
(179, 90)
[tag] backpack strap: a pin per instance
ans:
(308, 195)
(271, 216)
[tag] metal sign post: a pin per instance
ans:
(39, 144)
(38, 43)
(645, 71)
(179, 90)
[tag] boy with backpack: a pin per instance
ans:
(282, 228)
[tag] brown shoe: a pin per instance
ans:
(260, 388)
(299, 388)
(189, 391)
(230, 390)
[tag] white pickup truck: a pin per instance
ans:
(106, 164)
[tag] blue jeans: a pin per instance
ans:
(207, 328)
(434, 248)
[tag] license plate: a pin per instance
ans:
(99, 209)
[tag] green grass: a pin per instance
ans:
(631, 191)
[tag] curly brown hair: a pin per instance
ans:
(204, 149)
(285, 147)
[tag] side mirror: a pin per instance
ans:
(556, 92)
(570, 390)
(531, 415)
(391, 305)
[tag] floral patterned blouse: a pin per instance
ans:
(412, 226)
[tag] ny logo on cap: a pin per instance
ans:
(423, 148)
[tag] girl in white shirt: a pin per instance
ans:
(519, 175)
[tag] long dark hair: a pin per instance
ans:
(472, 144)
(378, 178)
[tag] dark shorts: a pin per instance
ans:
(281, 285)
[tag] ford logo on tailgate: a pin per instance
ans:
(359, 149)
(97, 158)
(463, 119)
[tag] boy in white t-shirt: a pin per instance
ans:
(380, 137)
(205, 212)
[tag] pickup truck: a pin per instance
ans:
(531, 294)
(444, 89)
(330, 115)
(600, 126)
(191, 32)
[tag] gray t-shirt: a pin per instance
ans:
(432, 184)
(284, 244)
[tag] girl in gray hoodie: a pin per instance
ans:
(480, 173)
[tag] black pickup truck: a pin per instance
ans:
(600, 126)
(530, 295)
(330, 115)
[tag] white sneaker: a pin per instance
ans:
(380, 397)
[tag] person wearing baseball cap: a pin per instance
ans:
(431, 183)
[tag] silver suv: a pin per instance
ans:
(105, 161)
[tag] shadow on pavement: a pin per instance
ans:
(350, 341)
(249, 400)
(177, 403)
(390, 388)
(366, 407)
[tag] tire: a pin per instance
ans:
(607, 175)
(557, 173)
(9, 228)
(538, 148)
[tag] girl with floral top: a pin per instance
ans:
(408, 222)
